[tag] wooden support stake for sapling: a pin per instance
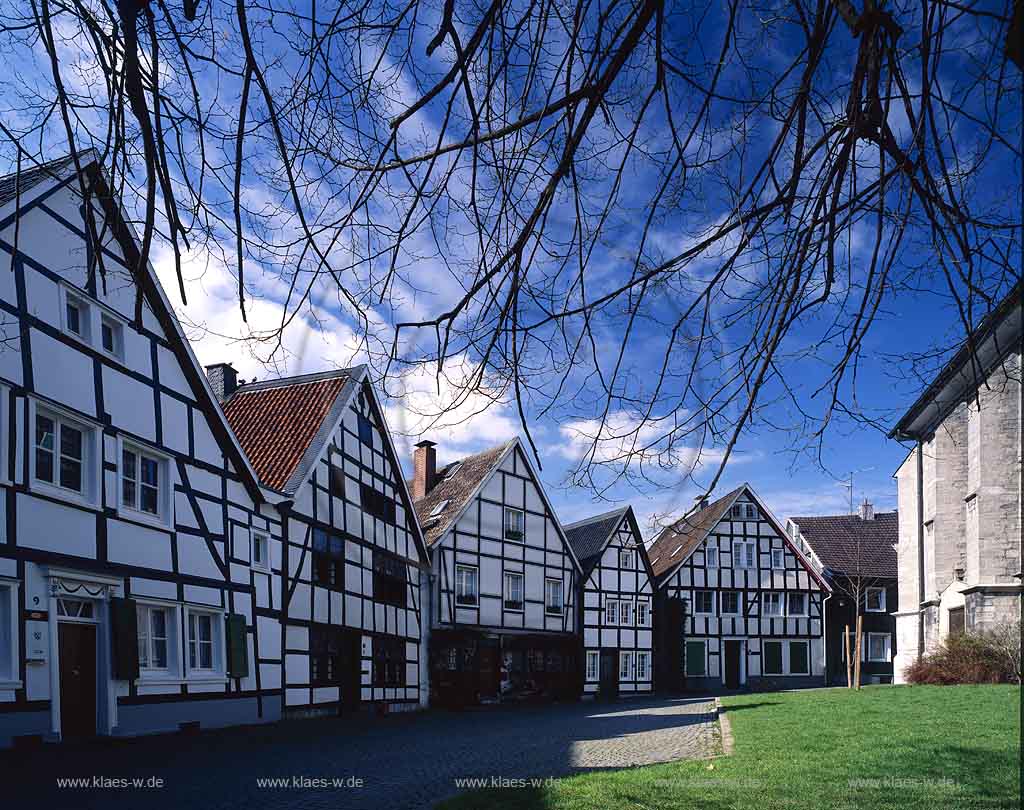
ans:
(860, 646)
(849, 661)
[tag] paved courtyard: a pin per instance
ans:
(408, 761)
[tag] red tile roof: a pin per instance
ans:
(276, 424)
(675, 542)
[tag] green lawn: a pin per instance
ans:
(938, 747)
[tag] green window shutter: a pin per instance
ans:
(238, 646)
(772, 657)
(124, 641)
(694, 659)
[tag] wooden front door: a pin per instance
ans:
(609, 673)
(351, 670)
(77, 650)
(733, 651)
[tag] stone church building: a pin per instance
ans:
(959, 551)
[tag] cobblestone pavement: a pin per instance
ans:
(408, 761)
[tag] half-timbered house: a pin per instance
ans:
(353, 554)
(504, 579)
(617, 604)
(738, 604)
(131, 601)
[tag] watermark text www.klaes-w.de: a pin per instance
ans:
(299, 782)
(98, 782)
(502, 782)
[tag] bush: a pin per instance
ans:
(971, 658)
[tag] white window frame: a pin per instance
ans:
(887, 647)
(593, 671)
(806, 610)
(506, 527)
(165, 500)
(218, 650)
(9, 655)
(643, 613)
(711, 557)
(778, 559)
(611, 612)
(548, 611)
(91, 454)
(626, 559)
(117, 330)
(643, 666)
(509, 576)
(85, 314)
(625, 612)
(172, 671)
(626, 671)
(766, 598)
(749, 511)
(739, 603)
(747, 556)
(696, 611)
(867, 600)
(461, 568)
(259, 537)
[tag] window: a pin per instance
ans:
(324, 655)
(112, 336)
(878, 646)
(515, 524)
(797, 604)
(144, 482)
(467, 579)
(643, 666)
(553, 597)
(203, 641)
(750, 511)
(798, 659)
(874, 599)
(695, 663)
(377, 503)
(742, 554)
(731, 603)
(389, 579)
(626, 558)
(328, 559)
(625, 666)
(261, 551)
(513, 591)
(643, 613)
(8, 632)
(778, 558)
(737, 510)
(365, 430)
(75, 608)
(437, 510)
(626, 613)
(711, 557)
(77, 316)
(155, 628)
(771, 604)
(704, 602)
(593, 665)
(63, 453)
(771, 654)
(388, 661)
(611, 612)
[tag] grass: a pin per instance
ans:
(935, 747)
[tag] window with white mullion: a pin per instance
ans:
(202, 651)
(140, 481)
(466, 585)
(154, 625)
(62, 452)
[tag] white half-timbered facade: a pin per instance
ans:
(353, 629)
(504, 579)
(739, 605)
(130, 602)
(617, 604)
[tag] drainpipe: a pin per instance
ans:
(824, 635)
(920, 547)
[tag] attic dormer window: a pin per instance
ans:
(437, 510)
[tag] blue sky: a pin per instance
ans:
(771, 454)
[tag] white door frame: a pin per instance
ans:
(743, 657)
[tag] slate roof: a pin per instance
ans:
(675, 542)
(589, 536)
(278, 422)
(456, 483)
(835, 540)
(37, 174)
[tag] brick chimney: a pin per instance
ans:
(867, 510)
(223, 380)
(424, 465)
